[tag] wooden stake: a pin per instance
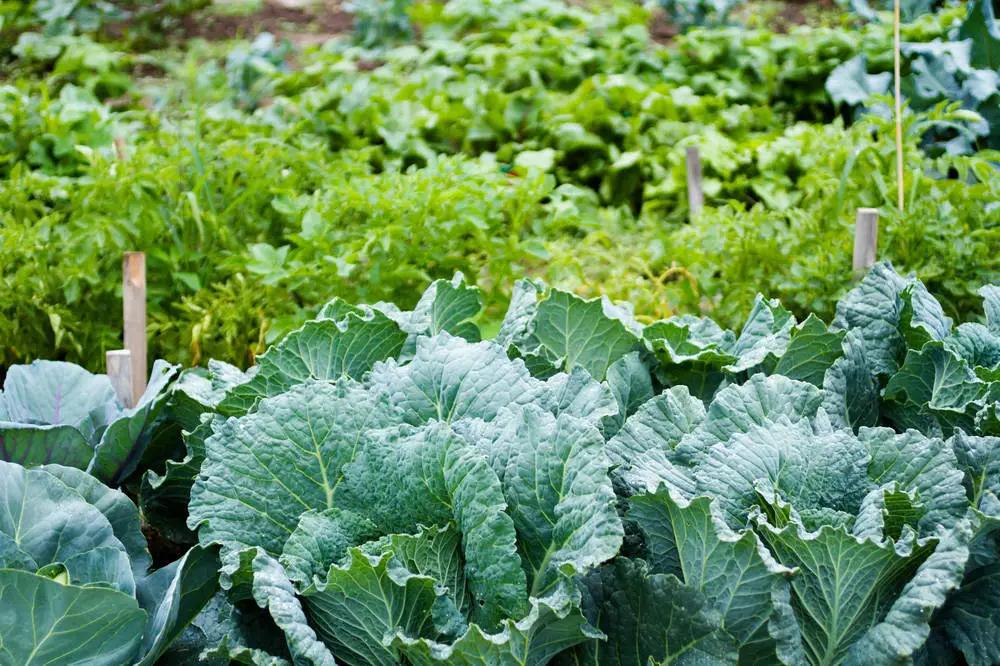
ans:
(865, 239)
(898, 106)
(696, 198)
(134, 305)
(119, 364)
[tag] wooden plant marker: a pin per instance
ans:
(865, 239)
(696, 197)
(134, 307)
(119, 364)
(127, 367)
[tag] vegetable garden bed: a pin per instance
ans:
(385, 487)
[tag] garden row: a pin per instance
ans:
(537, 138)
(386, 487)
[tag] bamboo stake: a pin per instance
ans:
(134, 306)
(865, 239)
(119, 364)
(898, 106)
(696, 197)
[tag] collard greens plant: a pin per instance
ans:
(388, 488)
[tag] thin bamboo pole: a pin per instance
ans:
(898, 106)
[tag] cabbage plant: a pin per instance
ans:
(586, 489)
(56, 412)
(75, 579)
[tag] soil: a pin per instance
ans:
(301, 25)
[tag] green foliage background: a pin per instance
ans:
(534, 137)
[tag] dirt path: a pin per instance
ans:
(301, 22)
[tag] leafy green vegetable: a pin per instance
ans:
(74, 567)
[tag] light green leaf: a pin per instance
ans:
(845, 586)
(553, 624)
(555, 479)
(410, 476)
(450, 379)
(813, 349)
(363, 603)
(321, 349)
(267, 468)
(68, 624)
(581, 332)
(765, 335)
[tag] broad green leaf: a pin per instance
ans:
(851, 392)
(581, 332)
(922, 464)
(553, 624)
(812, 350)
(430, 476)
(117, 508)
(450, 379)
(322, 349)
(33, 445)
(555, 480)
(759, 401)
(764, 336)
(845, 585)
(447, 305)
(364, 602)
(66, 624)
(660, 423)
(875, 308)
(818, 471)
(58, 393)
(733, 570)
(48, 520)
(649, 619)
(905, 627)
(267, 468)
(435, 552)
(937, 381)
(688, 339)
(173, 596)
